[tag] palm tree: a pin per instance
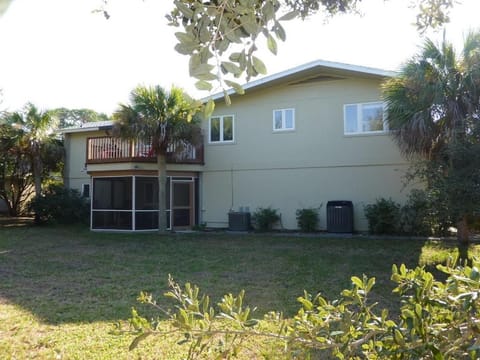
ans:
(37, 133)
(433, 105)
(159, 118)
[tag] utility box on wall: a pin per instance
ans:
(340, 216)
(238, 221)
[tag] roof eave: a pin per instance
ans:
(332, 66)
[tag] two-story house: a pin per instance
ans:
(296, 139)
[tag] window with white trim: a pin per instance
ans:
(283, 119)
(364, 118)
(221, 129)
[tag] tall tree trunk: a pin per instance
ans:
(463, 232)
(162, 183)
(37, 169)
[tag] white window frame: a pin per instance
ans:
(221, 140)
(360, 107)
(284, 125)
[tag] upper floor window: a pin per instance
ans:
(364, 118)
(221, 129)
(283, 119)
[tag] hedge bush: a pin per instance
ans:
(307, 219)
(383, 217)
(264, 219)
(61, 205)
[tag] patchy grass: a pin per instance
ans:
(63, 288)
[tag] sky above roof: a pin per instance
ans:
(57, 53)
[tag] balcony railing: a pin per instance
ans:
(108, 149)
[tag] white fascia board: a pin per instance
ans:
(318, 63)
(88, 127)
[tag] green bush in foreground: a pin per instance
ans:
(438, 320)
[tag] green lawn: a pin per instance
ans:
(62, 288)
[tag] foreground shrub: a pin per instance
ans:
(307, 219)
(265, 218)
(61, 205)
(438, 320)
(383, 217)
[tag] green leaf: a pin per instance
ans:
(201, 69)
(223, 45)
(209, 107)
(204, 34)
(357, 281)
(279, 31)
(418, 310)
(228, 101)
(203, 85)
(232, 35)
(268, 11)
(185, 38)
(397, 335)
(184, 49)
(250, 323)
(474, 274)
(272, 44)
(205, 54)
(249, 23)
(258, 65)
(235, 56)
(206, 76)
(307, 304)
(137, 340)
(184, 9)
(289, 16)
(194, 62)
(236, 86)
(370, 284)
(231, 68)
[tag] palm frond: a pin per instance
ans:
(435, 98)
(158, 116)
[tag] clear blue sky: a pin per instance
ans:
(57, 53)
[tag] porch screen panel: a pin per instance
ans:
(146, 220)
(112, 203)
(112, 193)
(181, 203)
(114, 220)
(146, 193)
(146, 203)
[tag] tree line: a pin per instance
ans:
(32, 153)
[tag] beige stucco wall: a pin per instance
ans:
(75, 154)
(306, 167)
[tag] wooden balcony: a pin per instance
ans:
(108, 149)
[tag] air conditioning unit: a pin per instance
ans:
(340, 216)
(238, 221)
